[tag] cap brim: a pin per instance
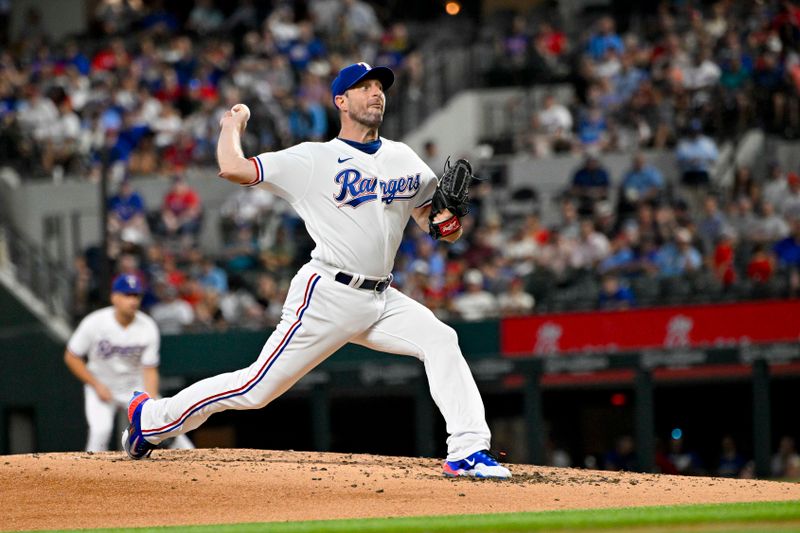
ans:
(129, 292)
(382, 74)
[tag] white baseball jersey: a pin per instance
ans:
(356, 206)
(375, 192)
(116, 354)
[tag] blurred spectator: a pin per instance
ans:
(181, 212)
(642, 183)
(480, 251)
(205, 18)
(623, 456)
(556, 455)
(593, 130)
(663, 464)
(36, 113)
(678, 257)
(278, 257)
(213, 277)
(696, 155)
(552, 128)
(60, 151)
(768, 226)
(84, 289)
(520, 251)
(127, 217)
(686, 461)
(614, 294)
(192, 292)
(761, 266)
(776, 184)
(171, 272)
(621, 257)
(207, 314)
(246, 207)
(735, 107)
(701, 76)
(515, 301)
(711, 224)
(171, 313)
(787, 250)
(556, 254)
(269, 298)
(731, 463)
(590, 249)
(744, 187)
(590, 183)
(432, 157)
(629, 78)
(723, 258)
(475, 303)
(786, 461)
(741, 218)
(168, 125)
(179, 154)
(517, 43)
(241, 253)
(551, 45)
(605, 39)
(238, 306)
(790, 202)
(144, 159)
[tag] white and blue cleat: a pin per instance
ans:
(480, 464)
(133, 442)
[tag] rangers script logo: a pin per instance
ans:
(355, 190)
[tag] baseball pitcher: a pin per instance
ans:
(355, 194)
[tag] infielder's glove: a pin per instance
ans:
(452, 193)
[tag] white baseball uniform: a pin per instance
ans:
(115, 355)
(355, 206)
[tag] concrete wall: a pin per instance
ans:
(59, 17)
(30, 204)
(455, 128)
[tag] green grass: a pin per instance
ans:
(772, 516)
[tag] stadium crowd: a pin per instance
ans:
(144, 94)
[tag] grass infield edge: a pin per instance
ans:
(661, 516)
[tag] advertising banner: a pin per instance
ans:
(659, 328)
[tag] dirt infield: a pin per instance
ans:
(82, 490)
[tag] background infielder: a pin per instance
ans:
(115, 351)
(355, 194)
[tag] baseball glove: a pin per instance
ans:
(452, 193)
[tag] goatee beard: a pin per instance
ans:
(370, 120)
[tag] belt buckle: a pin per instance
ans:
(383, 284)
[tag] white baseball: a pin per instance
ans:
(241, 109)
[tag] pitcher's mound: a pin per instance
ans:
(211, 486)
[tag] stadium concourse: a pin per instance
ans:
(140, 93)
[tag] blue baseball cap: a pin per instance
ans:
(127, 284)
(356, 72)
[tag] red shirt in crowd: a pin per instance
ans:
(723, 262)
(760, 268)
(181, 201)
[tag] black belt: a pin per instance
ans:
(377, 285)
